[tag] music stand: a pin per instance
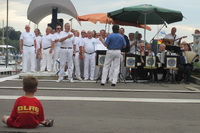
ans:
(173, 49)
(131, 62)
(100, 58)
(171, 63)
(150, 65)
(150, 62)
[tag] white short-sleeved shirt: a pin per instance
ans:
(78, 42)
(57, 36)
(28, 38)
(38, 42)
(134, 47)
(90, 45)
(68, 42)
(81, 41)
(169, 36)
(47, 40)
(100, 45)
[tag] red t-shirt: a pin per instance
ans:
(27, 113)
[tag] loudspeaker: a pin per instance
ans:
(154, 46)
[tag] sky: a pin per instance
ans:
(189, 8)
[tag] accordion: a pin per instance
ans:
(190, 56)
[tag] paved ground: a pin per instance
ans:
(88, 107)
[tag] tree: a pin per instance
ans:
(13, 37)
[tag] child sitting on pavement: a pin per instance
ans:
(28, 111)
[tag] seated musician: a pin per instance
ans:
(184, 67)
(139, 40)
(141, 73)
(161, 57)
(172, 38)
(182, 45)
(149, 52)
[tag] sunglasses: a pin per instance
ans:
(58, 28)
(83, 32)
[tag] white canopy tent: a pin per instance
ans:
(38, 9)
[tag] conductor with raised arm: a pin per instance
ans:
(115, 42)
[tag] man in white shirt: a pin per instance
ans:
(133, 43)
(47, 49)
(57, 44)
(83, 35)
(100, 46)
(162, 56)
(68, 48)
(172, 38)
(139, 40)
(38, 49)
(27, 47)
(76, 58)
(89, 48)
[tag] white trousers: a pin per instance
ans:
(89, 66)
(28, 57)
(37, 64)
(56, 55)
(111, 71)
(124, 71)
(46, 60)
(77, 65)
(66, 55)
(82, 67)
(111, 55)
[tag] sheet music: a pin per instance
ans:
(100, 46)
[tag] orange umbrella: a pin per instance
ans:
(103, 18)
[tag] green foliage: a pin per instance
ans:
(196, 70)
(197, 65)
(13, 37)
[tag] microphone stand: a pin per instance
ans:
(164, 24)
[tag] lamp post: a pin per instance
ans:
(2, 32)
(7, 37)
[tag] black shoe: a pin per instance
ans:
(112, 84)
(49, 123)
(154, 81)
(162, 80)
(187, 82)
(102, 84)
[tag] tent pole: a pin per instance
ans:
(106, 25)
(145, 15)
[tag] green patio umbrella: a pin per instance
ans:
(146, 14)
